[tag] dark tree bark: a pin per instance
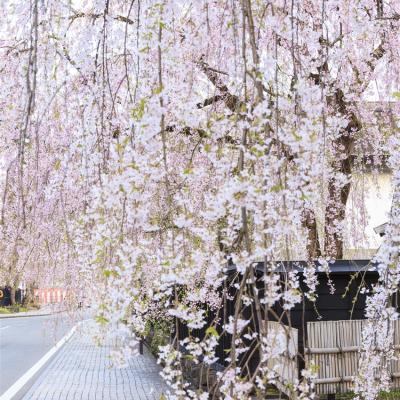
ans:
(13, 293)
(313, 243)
(338, 193)
(29, 297)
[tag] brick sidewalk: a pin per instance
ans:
(81, 370)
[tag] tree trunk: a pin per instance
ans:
(313, 244)
(335, 214)
(338, 193)
(29, 297)
(13, 292)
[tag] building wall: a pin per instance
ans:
(375, 192)
(50, 295)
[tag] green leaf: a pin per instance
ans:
(296, 137)
(304, 197)
(158, 90)
(212, 331)
(239, 195)
(276, 188)
(133, 166)
(207, 148)
(138, 111)
(107, 273)
(396, 95)
(119, 147)
(101, 319)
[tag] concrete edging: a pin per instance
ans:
(16, 315)
(24, 315)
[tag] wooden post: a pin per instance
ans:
(141, 346)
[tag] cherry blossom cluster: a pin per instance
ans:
(151, 147)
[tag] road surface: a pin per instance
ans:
(25, 340)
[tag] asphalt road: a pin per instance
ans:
(25, 340)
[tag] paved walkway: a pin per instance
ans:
(82, 371)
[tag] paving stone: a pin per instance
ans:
(83, 371)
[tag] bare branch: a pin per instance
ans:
(96, 16)
(189, 131)
(231, 101)
(210, 101)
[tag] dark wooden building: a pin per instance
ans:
(339, 297)
(5, 296)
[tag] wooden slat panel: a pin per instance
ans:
(287, 368)
(334, 347)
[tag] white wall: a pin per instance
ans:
(375, 192)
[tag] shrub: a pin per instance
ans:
(158, 334)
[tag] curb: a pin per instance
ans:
(24, 383)
(5, 316)
(17, 315)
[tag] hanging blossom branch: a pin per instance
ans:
(377, 351)
(31, 74)
(153, 184)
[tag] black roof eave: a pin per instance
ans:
(336, 267)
